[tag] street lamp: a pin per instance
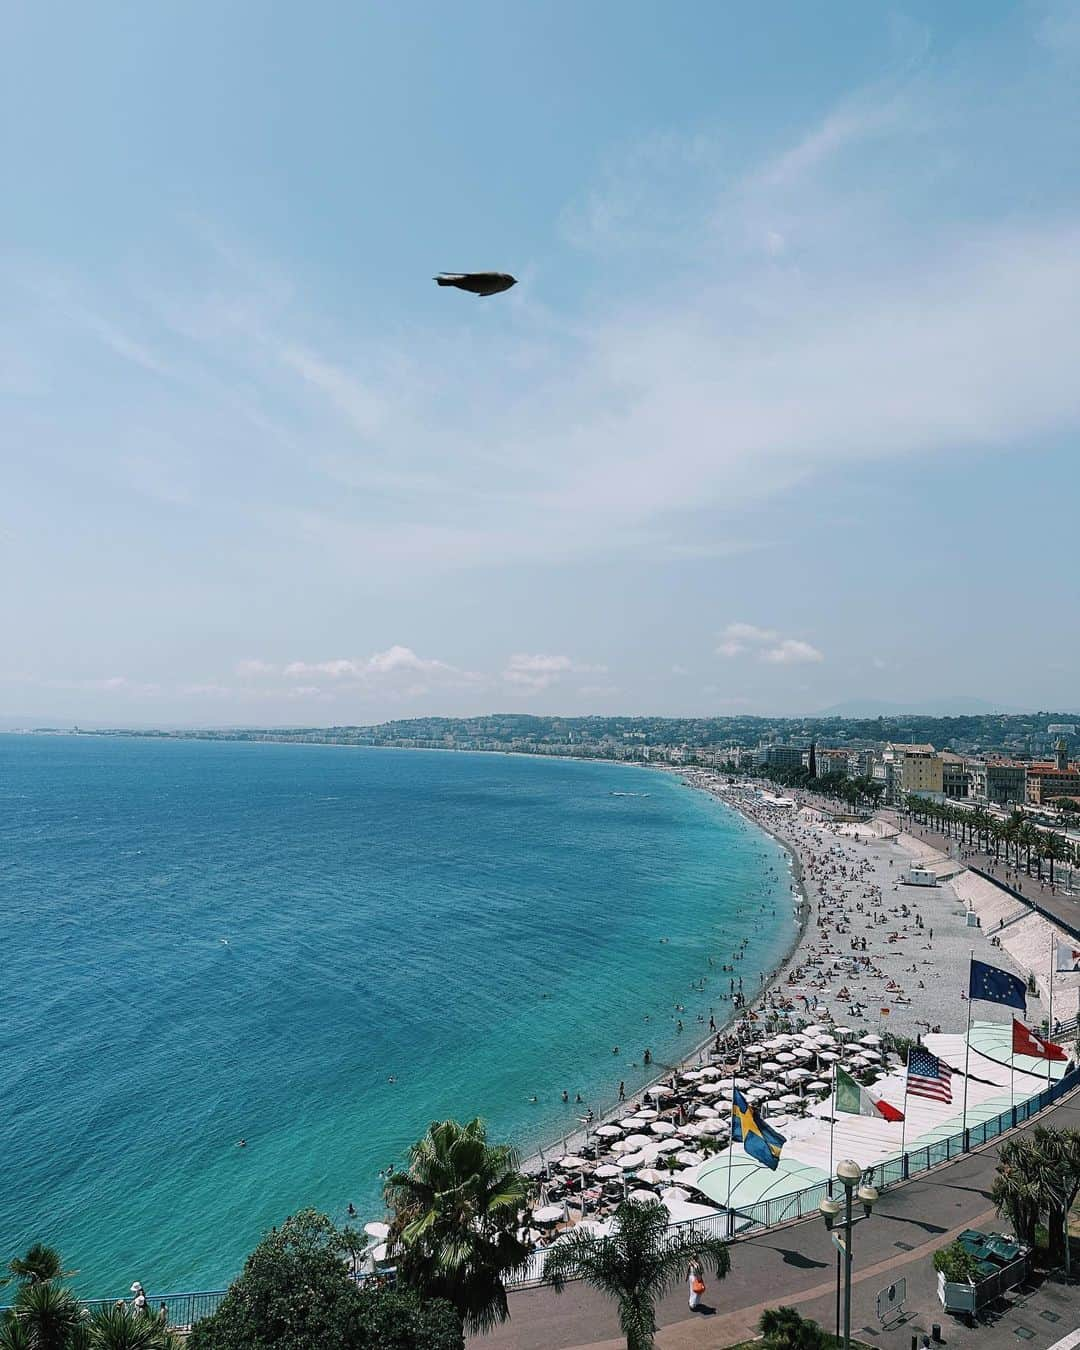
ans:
(850, 1174)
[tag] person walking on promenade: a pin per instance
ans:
(695, 1283)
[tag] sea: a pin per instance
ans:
(318, 950)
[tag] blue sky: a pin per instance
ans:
(782, 412)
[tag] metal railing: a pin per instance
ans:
(184, 1310)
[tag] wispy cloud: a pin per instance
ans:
(531, 673)
(766, 644)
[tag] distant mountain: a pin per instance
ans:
(944, 707)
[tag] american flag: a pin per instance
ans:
(928, 1076)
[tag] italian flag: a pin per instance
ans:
(856, 1101)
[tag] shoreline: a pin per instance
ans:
(535, 1161)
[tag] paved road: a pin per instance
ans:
(797, 1265)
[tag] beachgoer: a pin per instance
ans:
(622, 1091)
(647, 1056)
(352, 1210)
(565, 1095)
(695, 1282)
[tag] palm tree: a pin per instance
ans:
(38, 1266)
(635, 1265)
(1015, 1190)
(455, 1220)
(1056, 1167)
(114, 1328)
(49, 1313)
(14, 1335)
(1054, 849)
(787, 1329)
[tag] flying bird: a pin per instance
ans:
(480, 283)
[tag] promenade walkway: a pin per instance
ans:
(797, 1265)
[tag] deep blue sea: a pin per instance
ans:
(206, 941)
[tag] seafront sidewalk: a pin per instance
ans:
(797, 1265)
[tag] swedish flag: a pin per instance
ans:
(761, 1141)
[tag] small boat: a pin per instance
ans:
(628, 794)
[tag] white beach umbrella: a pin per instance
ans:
(770, 1086)
(548, 1214)
(771, 1066)
(711, 1071)
(646, 1114)
(621, 1146)
(816, 1027)
(571, 1162)
(784, 1058)
(609, 1131)
(689, 1157)
(714, 1127)
(793, 1075)
(377, 1230)
(790, 1099)
(829, 1056)
(708, 1089)
(705, 1112)
(754, 1050)
(667, 1146)
(631, 1160)
(606, 1170)
(694, 1131)
(662, 1127)
(627, 1122)
(638, 1140)
(674, 1193)
(652, 1176)
(871, 1039)
(643, 1197)
(803, 1053)
(844, 1031)
(871, 1055)
(660, 1090)
(755, 1094)
(690, 1075)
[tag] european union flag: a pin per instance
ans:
(997, 986)
(761, 1141)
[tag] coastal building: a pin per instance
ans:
(784, 756)
(955, 779)
(999, 780)
(1048, 781)
(833, 762)
(912, 769)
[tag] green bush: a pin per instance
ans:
(956, 1263)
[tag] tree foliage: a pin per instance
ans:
(786, 1329)
(455, 1226)
(636, 1264)
(956, 1263)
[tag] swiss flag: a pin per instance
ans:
(1028, 1042)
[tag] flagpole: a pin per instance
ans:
(730, 1153)
(1050, 1015)
(967, 1049)
(832, 1126)
(903, 1123)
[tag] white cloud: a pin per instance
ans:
(255, 667)
(791, 652)
(530, 673)
(741, 638)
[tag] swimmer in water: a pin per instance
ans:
(392, 1078)
(241, 1143)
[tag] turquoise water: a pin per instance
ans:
(204, 941)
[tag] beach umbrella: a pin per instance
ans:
(689, 1158)
(687, 1177)
(815, 1028)
(784, 1058)
(705, 1112)
(662, 1127)
(694, 1131)
(651, 1176)
(674, 1193)
(609, 1131)
(844, 1031)
(711, 1071)
(643, 1197)
(871, 1039)
(755, 1094)
(667, 1146)
(631, 1160)
(771, 1066)
(638, 1140)
(571, 1162)
(793, 1075)
(548, 1214)
(789, 1099)
(770, 1086)
(660, 1090)
(871, 1056)
(754, 1050)
(714, 1127)
(709, 1089)
(644, 1115)
(606, 1170)
(818, 1085)
(803, 1053)
(829, 1056)
(627, 1122)
(621, 1146)
(377, 1230)
(690, 1075)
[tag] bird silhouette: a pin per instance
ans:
(479, 283)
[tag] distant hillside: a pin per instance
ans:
(944, 707)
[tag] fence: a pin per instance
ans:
(186, 1309)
